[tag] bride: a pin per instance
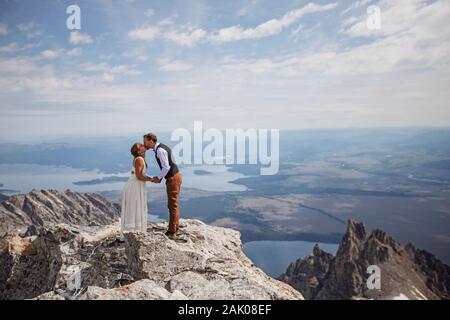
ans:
(134, 196)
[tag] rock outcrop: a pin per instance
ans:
(306, 275)
(405, 272)
(83, 260)
(40, 208)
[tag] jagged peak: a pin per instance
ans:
(405, 270)
(356, 230)
(317, 250)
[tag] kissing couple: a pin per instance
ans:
(134, 213)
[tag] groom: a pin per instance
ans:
(170, 172)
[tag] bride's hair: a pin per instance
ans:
(135, 150)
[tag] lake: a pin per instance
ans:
(273, 257)
(24, 177)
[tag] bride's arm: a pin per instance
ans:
(140, 169)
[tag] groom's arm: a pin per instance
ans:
(165, 167)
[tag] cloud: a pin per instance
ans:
(110, 73)
(10, 48)
(148, 33)
(356, 5)
(3, 29)
(174, 65)
(52, 54)
(297, 30)
(75, 52)
(247, 8)
(30, 29)
(411, 38)
(187, 39)
(268, 28)
(413, 17)
(166, 22)
(139, 54)
(189, 36)
(340, 74)
(14, 47)
(77, 38)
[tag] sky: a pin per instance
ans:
(138, 66)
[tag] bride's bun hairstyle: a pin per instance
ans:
(136, 150)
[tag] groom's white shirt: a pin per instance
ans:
(164, 158)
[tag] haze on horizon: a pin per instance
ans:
(137, 65)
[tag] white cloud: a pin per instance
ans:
(30, 29)
(414, 17)
(189, 36)
(10, 48)
(109, 71)
(139, 54)
(3, 29)
(268, 28)
(99, 67)
(75, 52)
(174, 65)
(247, 8)
(412, 38)
(77, 38)
(188, 39)
(297, 30)
(356, 5)
(398, 76)
(51, 54)
(166, 22)
(148, 33)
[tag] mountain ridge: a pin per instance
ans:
(405, 272)
(53, 251)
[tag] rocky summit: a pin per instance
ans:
(405, 272)
(76, 251)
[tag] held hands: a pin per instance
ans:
(155, 180)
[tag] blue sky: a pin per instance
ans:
(140, 65)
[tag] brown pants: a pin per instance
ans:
(173, 186)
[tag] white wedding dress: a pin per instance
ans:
(134, 204)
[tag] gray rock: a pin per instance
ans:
(71, 248)
(406, 273)
(306, 275)
(205, 263)
(58, 257)
(139, 290)
(46, 207)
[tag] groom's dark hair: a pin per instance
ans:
(151, 136)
